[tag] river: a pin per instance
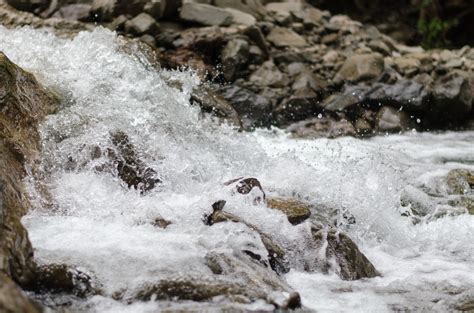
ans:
(99, 225)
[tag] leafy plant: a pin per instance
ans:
(432, 28)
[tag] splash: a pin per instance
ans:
(93, 221)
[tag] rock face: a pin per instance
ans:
(23, 102)
(13, 299)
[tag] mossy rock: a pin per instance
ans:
(296, 211)
(460, 181)
(23, 105)
(464, 201)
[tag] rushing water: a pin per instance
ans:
(96, 223)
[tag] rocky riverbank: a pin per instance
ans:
(290, 65)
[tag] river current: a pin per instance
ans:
(91, 220)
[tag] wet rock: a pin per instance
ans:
(296, 211)
(350, 262)
(24, 103)
(212, 102)
(205, 14)
(276, 254)
(452, 97)
(60, 278)
(13, 299)
(466, 202)
(245, 185)
(460, 181)
(269, 75)
(284, 37)
(161, 222)
(188, 58)
(129, 167)
(406, 93)
(322, 127)
(361, 67)
(342, 101)
(392, 120)
(240, 267)
(141, 24)
(253, 108)
(234, 56)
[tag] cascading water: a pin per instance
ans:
(91, 220)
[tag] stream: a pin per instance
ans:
(91, 220)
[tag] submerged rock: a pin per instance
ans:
(13, 299)
(276, 254)
(212, 102)
(60, 278)
(460, 181)
(130, 168)
(341, 254)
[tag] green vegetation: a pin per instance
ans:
(433, 28)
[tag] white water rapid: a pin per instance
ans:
(99, 225)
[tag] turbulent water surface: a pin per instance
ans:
(93, 221)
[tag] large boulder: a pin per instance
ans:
(13, 299)
(23, 103)
(235, 276)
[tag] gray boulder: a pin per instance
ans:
(205, 14)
